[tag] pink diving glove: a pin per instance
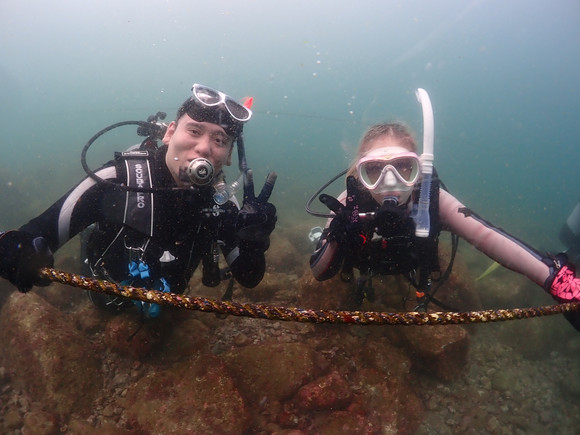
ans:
(566, 287)
(563, 285)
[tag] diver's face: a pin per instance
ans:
(187, 140)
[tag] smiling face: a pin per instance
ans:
(187, 140)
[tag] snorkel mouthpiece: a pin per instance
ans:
(200, 171)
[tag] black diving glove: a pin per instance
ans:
(21, 257)
(346, 227)
(257, 218)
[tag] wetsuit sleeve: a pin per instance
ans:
(245, 259)
(76, 210)
(492, 241)
(328, 257)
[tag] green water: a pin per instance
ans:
(501, 76)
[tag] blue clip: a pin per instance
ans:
(133, 269)
(143, 270)
(155, 309)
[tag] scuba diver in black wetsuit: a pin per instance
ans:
(153, 214)
(377, 226)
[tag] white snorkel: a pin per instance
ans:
(421, 217)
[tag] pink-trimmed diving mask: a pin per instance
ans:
(389, 169)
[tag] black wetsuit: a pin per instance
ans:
(182, 237)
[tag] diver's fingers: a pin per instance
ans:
(331, 202)
(351, 188)
(249, 186)
(268, 187)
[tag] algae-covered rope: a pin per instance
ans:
(260, 311)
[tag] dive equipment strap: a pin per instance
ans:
(138, 212)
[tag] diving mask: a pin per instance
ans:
(210, 97)
(209, 105)
(389, 169)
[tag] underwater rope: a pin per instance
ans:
(260, 311)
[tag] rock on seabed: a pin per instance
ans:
(66, 367)
(47, 357)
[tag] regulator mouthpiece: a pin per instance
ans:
(200, 171)
(390, 201)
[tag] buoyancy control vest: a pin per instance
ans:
(390, 247)
(129, 257)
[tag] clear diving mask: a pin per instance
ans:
(389, 169)
(210, 105)
(211, 97)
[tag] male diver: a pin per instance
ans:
(152, 215)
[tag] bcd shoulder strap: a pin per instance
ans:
(138, 213)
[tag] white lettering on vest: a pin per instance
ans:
(140, 183)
